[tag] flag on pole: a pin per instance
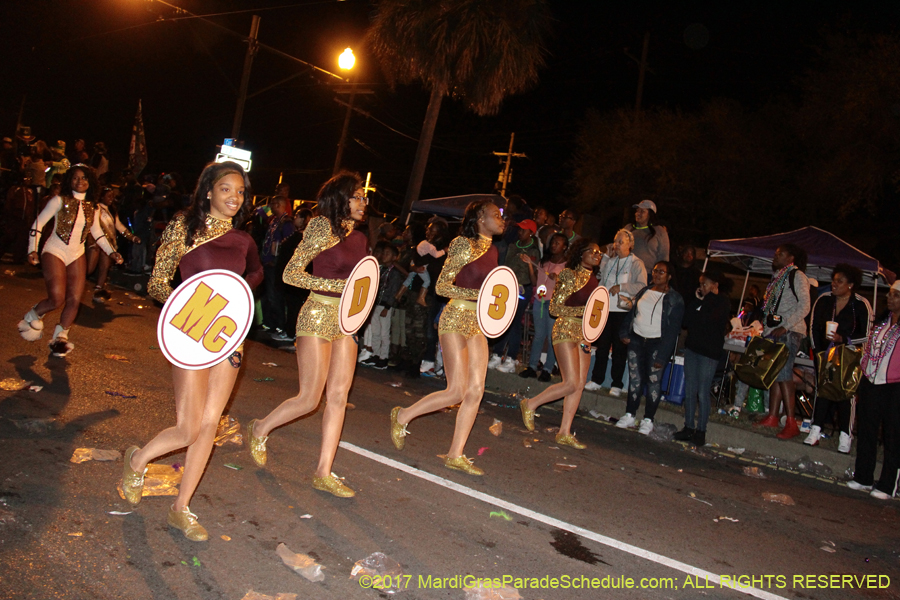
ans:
(137, 152)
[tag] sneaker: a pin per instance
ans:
(685, 435)
(854, 485)
(508, 366)
(380, 364)
(101, 295)
(699, 438)
(427, 365)
(626, 421)
(369, 362)
(364, 355)
(813, 438)
(592, 386)
(876, 493)
(528, 373)
(646, 427)
(844, 443)
(790, 430)
(616, 392)
(494, 362)
(544, 376)
(282, 336)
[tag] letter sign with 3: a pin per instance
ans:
(359, 295)
(205, 319)
(497, 301)
(596, 312)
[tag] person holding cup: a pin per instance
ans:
(840, 316)
(624, 275)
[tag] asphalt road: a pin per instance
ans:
(627, 508)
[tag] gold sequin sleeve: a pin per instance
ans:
(171, 248)
(459, 254)
(316, 237)
(568, 283)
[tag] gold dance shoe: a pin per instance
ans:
(257, 445)
(186, 522)
(332, 485)
(569, 440)
(132, 481)
(527, 415)
(461, 463)
(398, 431)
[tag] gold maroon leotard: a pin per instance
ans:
(468, 263)
(573, 288)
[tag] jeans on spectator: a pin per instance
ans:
(642, 354)
(610, 337)
(380, 328)
(699, 372)
(543, 328)
(273, 303)
(138, 256)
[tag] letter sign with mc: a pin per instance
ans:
(497, 301)
(359, 295)
(596, 312)
(205, 319)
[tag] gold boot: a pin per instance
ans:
(332, 485)
(132, 481)
(527, 415)
(461, 463)
(257, 445)
(569, 440)
(186, 522)
(398, 431)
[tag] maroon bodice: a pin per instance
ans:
(338, 261)
(234, 251)
(580, 297)
(473, 274)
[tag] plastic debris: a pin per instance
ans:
(12, 384)
(264, 379)
(737, 451)
(663, 432)
(233, 466)
(551, 429)
(395, 384)
(119, 513)
(497, 427)
(118, 357)
(408, 394)
(34, 425)
(118, 394)
(300, 563)
(251, 595)
(501, 514)
(380, 568)
(778, 498)
(225, 537)
(76, 534)
(270, 364)
(482, 450)
(229, 430)
(726, 519)
(754, 472)
(35, 388)
(694, 497)
(85, 454)
(160, 480)
(828, 549)
(526, 443)
(307, 516)
(564, 467)
(813, 467)
(480, 592)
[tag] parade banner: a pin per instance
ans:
(359, 295)
(205, 320)
(497, 301)
(596, 311)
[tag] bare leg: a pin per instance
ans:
(55, 277)
(313, 362)
(775, 398)
(474, 390)
(340, 377)
(105, 262)
(571, 401)
(788, 396)
(569, 368)
(74, 290)
(92, 254)
(456, 368)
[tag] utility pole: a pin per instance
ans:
(643, 69)
(504, 175)
(352, 90)
(252, 47)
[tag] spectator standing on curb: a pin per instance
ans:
(389, 283)
(651, 241)
(280, 228)
(554, 262)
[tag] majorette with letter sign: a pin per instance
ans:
(581, 307)
(326, 354)
(465, 278)
(201, 328)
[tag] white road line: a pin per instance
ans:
(526, 512)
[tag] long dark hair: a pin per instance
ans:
(93, 191)
(575, 252)
(470, 219)
(334, 199)
(195, 215)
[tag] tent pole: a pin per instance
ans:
(744, 290)
(875, 299)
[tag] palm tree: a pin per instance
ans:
(478, 51)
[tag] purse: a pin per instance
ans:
(761, 362)
(839, 372)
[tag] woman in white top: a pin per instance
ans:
(75, 213)
(624, 275)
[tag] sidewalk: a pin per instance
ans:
(726, 434)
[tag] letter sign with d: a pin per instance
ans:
(497, 301)
(359, 295)
(205, 319)
(596, 312)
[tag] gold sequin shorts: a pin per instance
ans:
(567, 329)
(459, 316)
(319, 318)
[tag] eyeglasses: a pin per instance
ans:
(362, 199)
(590, 251)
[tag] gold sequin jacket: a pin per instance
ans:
(173, 246)
(568, 282)
(317, 237)
(462, 251)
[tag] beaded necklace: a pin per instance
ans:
(882, 348)
(776, 288)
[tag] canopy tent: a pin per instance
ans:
(454, 206)
(825, 250)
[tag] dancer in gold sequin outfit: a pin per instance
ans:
(470, 258)
(200, 239)
(573, 287)
(326, 358)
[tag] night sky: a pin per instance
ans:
(83, 65)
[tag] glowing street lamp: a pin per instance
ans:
(346, 61)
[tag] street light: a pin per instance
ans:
(346, 61)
